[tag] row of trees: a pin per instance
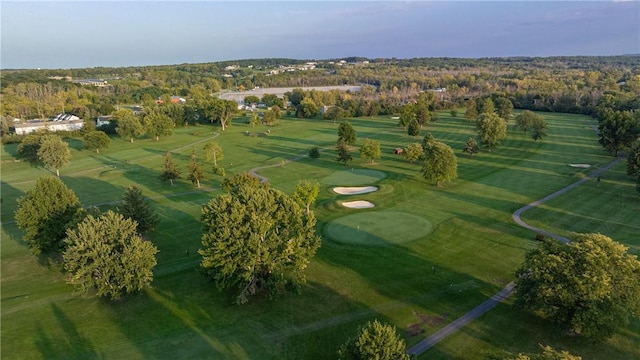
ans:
(171, 172)
(102, 252)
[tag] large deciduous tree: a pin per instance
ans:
(137, 207)
(633, 160)
(170, 170)
(256, 239)
(308, 108)
(29, 146)
(375, 341)
(618, 129)
(440, 163)
(538, 128)
(129, 124)
(526, 119)
(221, 111)
(95, 140)
(590, 286)
(106, 254)
(492, 129)
(45, 212)
(370, 150)
(306, 193)
(158, 124)
(504, 107)
(333, 113)
(346, 133)
(54, 153)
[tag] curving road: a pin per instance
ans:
(439, 335)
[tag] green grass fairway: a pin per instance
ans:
(378, 228)
(353, 177)
(463, 229)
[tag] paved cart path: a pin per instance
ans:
(439, 335)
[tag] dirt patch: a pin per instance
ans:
(423, 319)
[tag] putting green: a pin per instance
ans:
(353, 177)
(378, 228)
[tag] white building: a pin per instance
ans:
(61, 122)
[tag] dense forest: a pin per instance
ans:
(585, 85)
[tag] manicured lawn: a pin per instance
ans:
(469, 253)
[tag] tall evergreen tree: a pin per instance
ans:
(470, 147)
(169, 169)
(346, 133)
(472, 110)
(343, 152)
(414, 128)
(137, 207)
(195, 170)
(633, 160)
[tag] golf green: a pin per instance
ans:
(353, 177)
(378, 228)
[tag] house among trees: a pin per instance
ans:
(103, 120)
(62, 122)
(174, 100)
(91, 82)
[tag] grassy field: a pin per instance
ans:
(470, 252)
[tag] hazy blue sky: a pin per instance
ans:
(76, 34)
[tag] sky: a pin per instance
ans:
(78, 34)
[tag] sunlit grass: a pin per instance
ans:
(471, 252)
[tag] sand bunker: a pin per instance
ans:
(355, 190)
(584, 166)
(360, 204)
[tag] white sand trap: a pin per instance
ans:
(584, 166)
(355, 190)
(360, 204)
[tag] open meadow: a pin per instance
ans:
(424, 255)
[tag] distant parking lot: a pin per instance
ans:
(279, 92)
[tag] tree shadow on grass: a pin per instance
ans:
(184, 316)
(68, 341)
(74, 143)
(8, 201)
(414, 282)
